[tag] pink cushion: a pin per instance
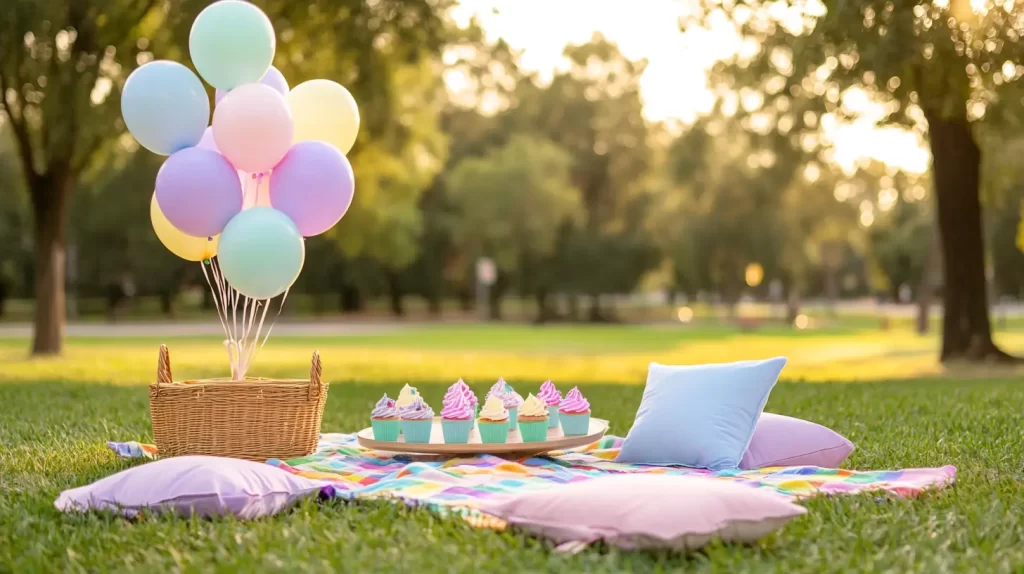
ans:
(648, 511)
(203, 485)
(786, 441)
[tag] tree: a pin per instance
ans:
(928, 65)
(594, 111)
(512, 203)
(62, 63)
(59, 62)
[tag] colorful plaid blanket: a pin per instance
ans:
(462, 485)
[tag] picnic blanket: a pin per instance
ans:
(463, 485)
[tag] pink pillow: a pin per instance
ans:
(648, 511)
(203, 485)
(786, 441)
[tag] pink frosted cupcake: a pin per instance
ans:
(457, 420)
(574, 413)
(553, 399)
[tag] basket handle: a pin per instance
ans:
(315, 373)
(163, 368)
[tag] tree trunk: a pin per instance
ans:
(956, 165)
(544, 311)
(395, 295)
(434, 304)
(167, 302)
(49, 198)
(926, 290)
(494, 298)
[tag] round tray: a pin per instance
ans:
(515, 445)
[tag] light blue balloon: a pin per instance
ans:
(261, 252)
(165, 107)
(232, 43)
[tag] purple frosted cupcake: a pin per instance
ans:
(553, 399)
(384, 419)
(509, 398)
(417, 421)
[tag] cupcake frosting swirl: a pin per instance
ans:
(385, 408)
(533, 407)
(457, 409)
(493, 410)
(504, 391)
(460, 388)
(549, 394)
(574, 402)
(407, 396)
(512, 399)
(416, 411)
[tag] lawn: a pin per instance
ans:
(56, 415)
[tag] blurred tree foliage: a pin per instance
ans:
(938, 68)
(513, 203)
(564, 183)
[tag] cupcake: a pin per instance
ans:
(417, 421)
(574, 413)
(457, 419)
(533, 420)
(461, 388)
(406, 397)
(510, 398)
(384, 419)
(552, 398)
(493, 421)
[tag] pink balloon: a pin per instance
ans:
(273, 78)
(198, 191)
(253, 127)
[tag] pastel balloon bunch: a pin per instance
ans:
(269, 171)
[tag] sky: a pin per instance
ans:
(673, 85)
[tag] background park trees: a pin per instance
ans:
(563, 182)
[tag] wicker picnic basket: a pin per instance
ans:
(254, 419)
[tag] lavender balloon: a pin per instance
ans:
(313, 185)
(273, 78)
(198, 191)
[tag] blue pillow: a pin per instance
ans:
(700, 416)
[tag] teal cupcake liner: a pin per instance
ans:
(417, 431)
(513, 413)
(534, 431)
(491, 433)
(385, 430)
(552, 417)
(456, 432)
(574, 425)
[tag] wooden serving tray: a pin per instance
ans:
(515, 445)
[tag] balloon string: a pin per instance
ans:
(226, 297)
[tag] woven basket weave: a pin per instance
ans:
(254, 419)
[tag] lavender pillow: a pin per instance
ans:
(186, 485)
(786, 441)
(637, 511)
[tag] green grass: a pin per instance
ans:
(52, 431)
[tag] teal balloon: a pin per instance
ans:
(165, 107)
(261, 252)
(232, 43)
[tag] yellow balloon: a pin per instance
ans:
(187, 247)
(324, 110)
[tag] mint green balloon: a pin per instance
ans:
(261, 252)
(232, 43)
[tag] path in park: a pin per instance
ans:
(188, 329)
